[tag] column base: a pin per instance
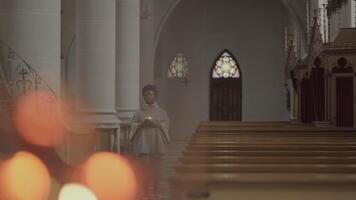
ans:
(106, 123)
(125, 115)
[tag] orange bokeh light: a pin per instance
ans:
(24, 177)
(110, 177)
(39, 118)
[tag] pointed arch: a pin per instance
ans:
(225, 88)
(226, 66)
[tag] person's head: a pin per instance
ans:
(150, 94)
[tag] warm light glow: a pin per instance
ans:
(110, 176)
(39, 119)
(82, 137)
(76, 192)
(24, 177)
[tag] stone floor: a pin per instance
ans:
(170, 160)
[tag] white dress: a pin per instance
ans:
(150, 140)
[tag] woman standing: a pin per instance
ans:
(149, 134)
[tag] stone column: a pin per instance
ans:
(33, 31)
(128, 57)
(147, 44)
(4, 14)
(92, 81)
(94, 75)
(68, 33)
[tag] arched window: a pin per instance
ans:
(226, 67)
(225, 89)
(178, 67)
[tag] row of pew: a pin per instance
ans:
(267, 160)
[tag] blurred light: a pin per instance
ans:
(39, 119)
(77, 148)
(76, 192)
(75, 123)
(82, 135)
(110, 176)
(24, 177)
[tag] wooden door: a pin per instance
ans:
(225, 99)
(344, 101)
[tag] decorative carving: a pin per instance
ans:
(342, 68)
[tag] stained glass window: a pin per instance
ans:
(178, 67)
(226, 67)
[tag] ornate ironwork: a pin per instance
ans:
(19, 77)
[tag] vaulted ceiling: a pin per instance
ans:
(296, 8)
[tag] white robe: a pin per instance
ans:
(150, 140)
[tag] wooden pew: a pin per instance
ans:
(239, 160)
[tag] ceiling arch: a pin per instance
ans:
(296, 8)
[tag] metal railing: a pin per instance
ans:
(18, 76)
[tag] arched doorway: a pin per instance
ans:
(225, 89)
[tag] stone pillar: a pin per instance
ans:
(67, 44)
(3, 19)
(128, 57)
(94, 75)
(92, 80)
(147, 44)
(33, 31)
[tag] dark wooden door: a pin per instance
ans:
(225, 99)
(344, 101)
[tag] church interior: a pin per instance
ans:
(260, 96)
